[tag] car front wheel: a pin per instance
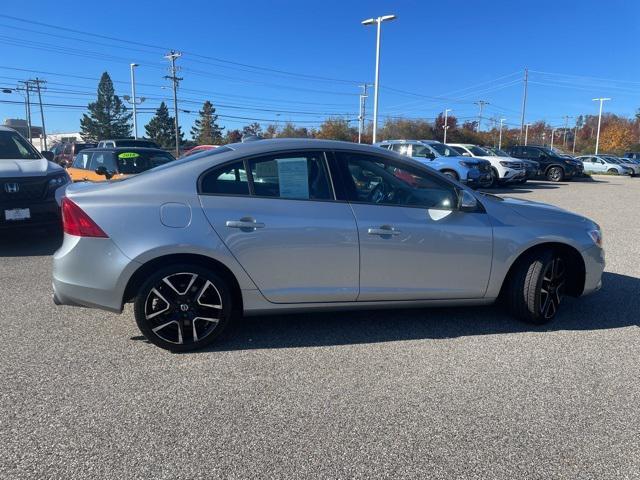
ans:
(183, 307)
(555, 174)
(537, 287)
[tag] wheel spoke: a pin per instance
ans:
(166, 280)
(166, 303)
(199, 301)
(204, 319)
(164, 325)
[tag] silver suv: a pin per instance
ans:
(441, 157)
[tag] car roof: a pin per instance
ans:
(123, 149)
(6, 129)
(387, 142)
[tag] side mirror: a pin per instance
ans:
(466, 154)
(48, 155)
(102, 170)
(467, 202)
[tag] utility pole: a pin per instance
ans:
(172, 56)
(27, 88)
(601, 100)
(446, 127)
(361, 116)
(481, 104)
(566, 127)
(553, 135)
(500, 138)
(133, 100)
(38, 82)
(526, 133)
(575, 135)
(524, 100)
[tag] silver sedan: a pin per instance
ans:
(298, 225)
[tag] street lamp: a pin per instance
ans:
(446, 127)
(601, 100)
(500, 137)
(377, 21)
(526, 133)
(553, 135)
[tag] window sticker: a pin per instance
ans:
(293, 175)
(128, 155)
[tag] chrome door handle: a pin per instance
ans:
(383, 230)
(244, 224)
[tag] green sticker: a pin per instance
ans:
(128, 155)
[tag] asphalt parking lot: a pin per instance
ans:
(441, 393)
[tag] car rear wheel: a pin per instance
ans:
(555, 174)
(537, 287)
(183, 307)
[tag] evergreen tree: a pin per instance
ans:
(108, 117)
(252, 129)
(206, 130)
(161, 128)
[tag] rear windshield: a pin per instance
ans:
(133, 162)
(14, 147)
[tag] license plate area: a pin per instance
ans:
(17, 214)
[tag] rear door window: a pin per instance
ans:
(82, 161)
(295, 176)
(103, 159)
(133, 162)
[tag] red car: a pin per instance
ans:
(198, 149)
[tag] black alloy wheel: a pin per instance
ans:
(183, 308)
(555, 174)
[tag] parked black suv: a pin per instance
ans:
(28, 183)
(553, 166)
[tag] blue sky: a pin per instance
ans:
(436, 55)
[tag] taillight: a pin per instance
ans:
(76, 222)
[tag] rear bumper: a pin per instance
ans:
(43, 213)
(91, 272)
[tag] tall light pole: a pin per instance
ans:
(553, 135)
(601, 100)
(377, 21)
(575, 136)
(446, 127)
(500, 137)
(526, 133)
(524, 101)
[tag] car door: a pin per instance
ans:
(415, 243)
(278, 215)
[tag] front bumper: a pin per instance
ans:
(43, 213)
(91, 272)
(594, 263)
(477, 178)
(510, 175)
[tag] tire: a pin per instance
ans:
(494, 178)
(450, 174)
(536, 287)
(183, 307)
(613, 171)
(555, 174)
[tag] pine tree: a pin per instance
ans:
(161, 128)
(206, 130)
(108, 116)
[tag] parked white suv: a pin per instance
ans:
(504, 170)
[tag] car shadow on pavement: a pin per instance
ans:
(25, 242)
(615, 306)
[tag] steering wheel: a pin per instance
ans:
(378, 194)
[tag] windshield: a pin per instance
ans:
(444, 150)
(131, 163)
(136, 143)
(478, 152)
(14, 147)
(498, 152)
(613, 160)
